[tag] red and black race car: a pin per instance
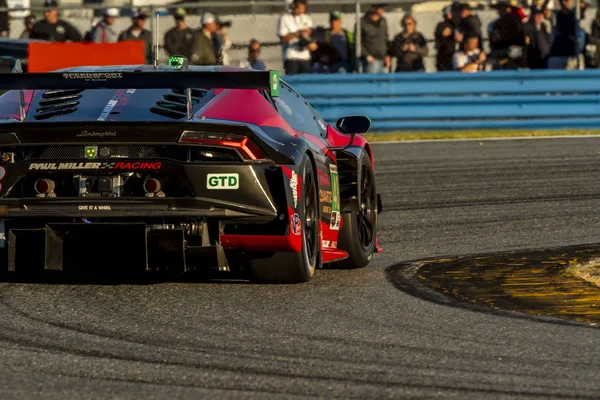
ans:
(179, 169)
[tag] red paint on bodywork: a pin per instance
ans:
(289, 243)
(247, 106)
(331, 255)
(287, 171)
(338, 139)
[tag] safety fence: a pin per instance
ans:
(543, 99)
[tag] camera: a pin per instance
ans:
(303, 42)
(225, 24)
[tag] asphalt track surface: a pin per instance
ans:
(346, 334)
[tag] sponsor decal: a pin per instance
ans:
(296, 225)
(104, 151)
(136, 165)
(322, 125)
(325, 197)
(110, 113)
(335, 221)
(8, 158)
(96, 134)
(323, 179)
(111, 104)
(91, 152)
(60, 30)
(94, 208)
(294, 186)
(223, 181)
(329, 244)
(96, 165)
(274, 76)
(93, 75)
(335, 198)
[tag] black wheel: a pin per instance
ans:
(359, 228)
(296, 267)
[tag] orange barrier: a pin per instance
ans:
(45, 57)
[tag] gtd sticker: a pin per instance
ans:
(223, 181)
(296, 226)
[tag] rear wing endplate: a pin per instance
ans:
(258, 80)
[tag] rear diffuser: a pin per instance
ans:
(99, 246)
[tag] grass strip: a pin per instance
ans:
(474, 134)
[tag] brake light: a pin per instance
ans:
(243, 143)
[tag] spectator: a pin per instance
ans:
(374, 41)
(253, 61)
(103, 32)
(471, 58)
(52, 28)
(4, 24)
(28, 22)
(566, 38)
(507, 37)
(138, 31)
(336, 48)
(204, 51)
(595, 35)
(294, 31)
(537, 40)
(221, 42)
(445, 42)
(179, 40)
(409, 47)
(470, 24)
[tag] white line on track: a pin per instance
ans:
(486, 139)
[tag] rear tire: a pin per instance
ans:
(289, 267)
(359, 228)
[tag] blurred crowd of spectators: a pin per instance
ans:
(535, 38)
(207, 45)
(541, 38)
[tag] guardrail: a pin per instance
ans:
(541, 99)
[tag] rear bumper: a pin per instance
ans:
(113, 208)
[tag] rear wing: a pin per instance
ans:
(157, 79)
(259, 80)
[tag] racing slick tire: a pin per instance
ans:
(359, 228)
(291, 267)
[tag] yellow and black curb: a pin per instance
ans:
(536, 283)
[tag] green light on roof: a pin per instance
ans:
(177, 61)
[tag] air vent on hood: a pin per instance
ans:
(174, 105)
(58, 102)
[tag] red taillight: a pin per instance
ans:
(244, 144)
